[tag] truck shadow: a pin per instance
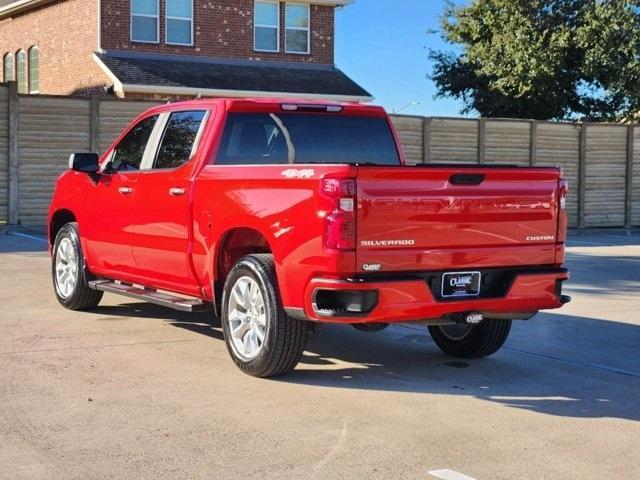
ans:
(559, 365)
(542, 368)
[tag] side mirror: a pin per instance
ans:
(84, 162)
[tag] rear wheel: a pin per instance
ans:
(68, 272)
(471, 341)
(262, 339)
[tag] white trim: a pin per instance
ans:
(299, 29)
(167, 17)
(214, 92)
(196, 141)
(20, 5)
(151, 149)
(262, 25)
(117, 85)
(145, 15)
(99, 2)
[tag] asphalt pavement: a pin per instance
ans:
(135, 391)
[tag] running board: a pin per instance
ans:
(149, 295)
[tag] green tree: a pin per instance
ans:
(543, 59)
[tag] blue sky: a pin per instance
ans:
(383, 45)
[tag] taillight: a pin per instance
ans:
(340, 222)
(563, 190)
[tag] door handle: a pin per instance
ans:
(176, 191)
(125, 190)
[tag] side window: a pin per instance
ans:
(179, 138)
(9, 74)
(129, 152)
(34, 70)
(253, 139)
(21, 71)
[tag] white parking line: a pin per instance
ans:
(449, 475)
(26, 235)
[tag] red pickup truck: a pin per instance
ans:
(280, 215)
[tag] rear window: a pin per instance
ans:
(269, 138)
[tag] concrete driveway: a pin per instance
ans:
(133, 391)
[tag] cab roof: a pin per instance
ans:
(260, 104)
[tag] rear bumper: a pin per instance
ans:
(411, 299)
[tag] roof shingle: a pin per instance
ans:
(215, 74)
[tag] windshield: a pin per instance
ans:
(269, 138)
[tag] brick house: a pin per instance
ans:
(174, 48)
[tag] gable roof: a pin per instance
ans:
(189, 75)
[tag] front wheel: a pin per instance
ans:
(471, 341)
(262, 339)
(68, 272)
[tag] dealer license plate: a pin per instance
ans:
(461, 284)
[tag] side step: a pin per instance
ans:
(150, 295)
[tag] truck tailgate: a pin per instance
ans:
(432, 217)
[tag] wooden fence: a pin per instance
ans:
(598, 159)
(37, 134)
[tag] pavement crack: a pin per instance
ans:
(92, 347)
(575, 363)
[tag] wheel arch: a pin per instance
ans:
(58, 220)
(234, 244)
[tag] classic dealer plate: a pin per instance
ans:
(461, 284)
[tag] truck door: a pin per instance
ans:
(108, 224)
(162, 216)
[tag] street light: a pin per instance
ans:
(411, 104)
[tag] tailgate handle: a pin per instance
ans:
(467, 178)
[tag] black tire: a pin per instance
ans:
(479, 340)
(285, 337)
(81, 297)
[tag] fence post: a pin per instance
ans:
(582, 176)
(426, 140)
(94, 125)
(482, 140)
(533, 145)
(13, 153)
(631, 130)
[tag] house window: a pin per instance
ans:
(144, 21)
(297, 28)
(34, 70)
(266, 26)
(7, 65)
(21, 71)
(179, 22)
